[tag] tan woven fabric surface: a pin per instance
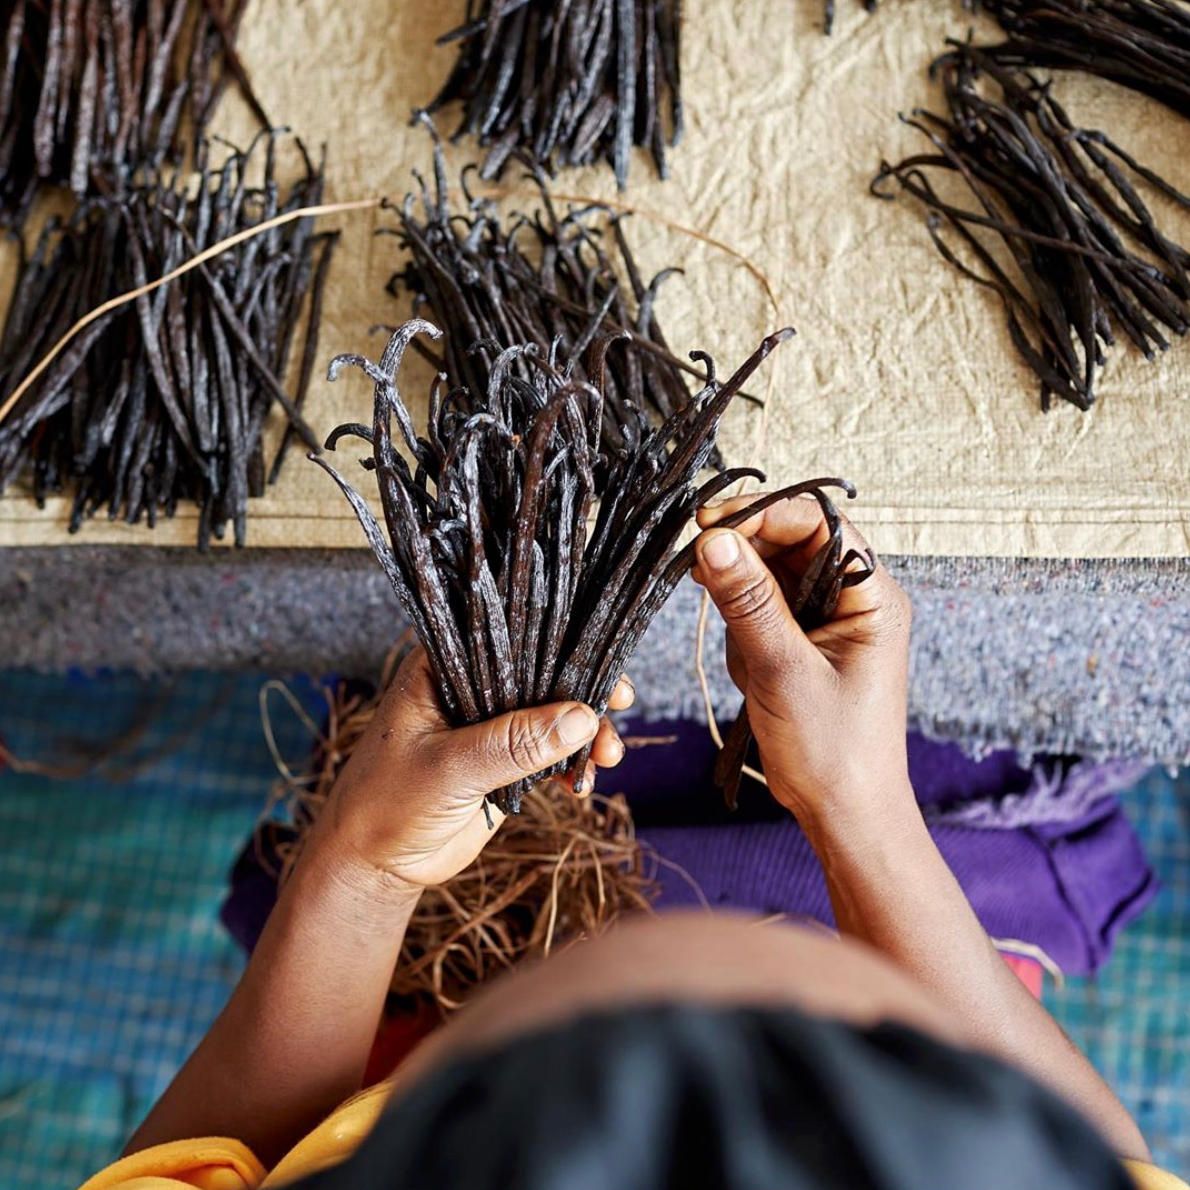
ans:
(901, 377)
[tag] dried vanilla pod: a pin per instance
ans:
(568, 84)
(557, 281)
(93, 91)
(1140, 44)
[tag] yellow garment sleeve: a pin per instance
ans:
(214, 1163)
(335, 1139)
(1149, 1177)
(218, 1164)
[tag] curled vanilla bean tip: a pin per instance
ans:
(537, 536)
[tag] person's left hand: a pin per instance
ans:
(409, 803)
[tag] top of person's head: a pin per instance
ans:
(752, 1099)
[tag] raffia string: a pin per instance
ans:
(328, 208)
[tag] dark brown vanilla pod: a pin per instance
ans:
(569, 84)
(94, 91)
(165, 399)
(1056, 223)
(555, 280)
(529, 547)
(1140, 44)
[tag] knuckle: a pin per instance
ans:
(525, 742)
(900, 608)
(752, 599)
(894, 615)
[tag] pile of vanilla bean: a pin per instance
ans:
(1056, 223)
(1140, 44)
(164, 399)
(570, 84)
(517, 598)
(555, 281)
(93, 91)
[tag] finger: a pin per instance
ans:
(518, 744)
(795, 530)
(623, 696)
(608, 749)
(588, 788)
(751, 604)
(788, 522)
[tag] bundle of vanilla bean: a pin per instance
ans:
(1140, 44)
(556, 281)
(488, 548)
(1056, 223)
(571, 83)
(164, 399)
(93, 91)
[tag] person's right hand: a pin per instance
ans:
(828, 709)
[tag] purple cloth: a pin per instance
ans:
(1069, 892)
(1067, 876)
(668, 782)
(1067, 886)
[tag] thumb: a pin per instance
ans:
(521, 743)
(751, 603)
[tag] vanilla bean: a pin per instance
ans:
(95, 93)
(561, 283)
(569, 84)
(1057, 228)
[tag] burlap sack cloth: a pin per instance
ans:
(901, 376)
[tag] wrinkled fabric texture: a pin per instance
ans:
(747, 1099)
(1067, 878)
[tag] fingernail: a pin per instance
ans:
(722, 551)
(577, 725)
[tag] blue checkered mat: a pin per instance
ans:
(1133, 1018)
(112, 959)
(112, 962)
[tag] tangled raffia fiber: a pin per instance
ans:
(563, 870)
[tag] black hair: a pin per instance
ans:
(683, 1097)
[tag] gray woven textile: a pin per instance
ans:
(1086, 657)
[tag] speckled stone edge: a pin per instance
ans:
(1089, 656)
